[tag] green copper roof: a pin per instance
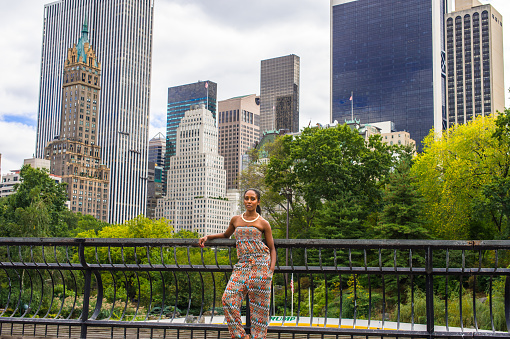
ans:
(81, 42)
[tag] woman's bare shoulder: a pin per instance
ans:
(235, 220)
(264, 222)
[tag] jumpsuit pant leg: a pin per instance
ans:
(233, 297)
(259, 291)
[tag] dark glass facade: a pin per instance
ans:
(180, 100)
(382, 51)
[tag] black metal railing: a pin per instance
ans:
(69, 287)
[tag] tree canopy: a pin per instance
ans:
(464, 178)
(36, 209)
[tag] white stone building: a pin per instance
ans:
(196, 180)
(9, 180)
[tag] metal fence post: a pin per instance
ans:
(429, 282)
(86, 291)
(507, 302)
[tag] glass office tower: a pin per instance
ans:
(121, 33)
(279, 93)
(390, 55)
(181, 99)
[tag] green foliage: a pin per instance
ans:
(402, 213)
(330, 164)
(36, 209)
(464, 178)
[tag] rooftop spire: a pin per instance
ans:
(85, 28)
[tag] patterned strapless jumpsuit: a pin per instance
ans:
(250, 275)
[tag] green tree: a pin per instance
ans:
(402, 213)
(463, 176)
(36, 208)
(331, 170)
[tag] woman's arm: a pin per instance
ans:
(268, 234)
(230, 230)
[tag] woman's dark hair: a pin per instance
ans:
(257, 193)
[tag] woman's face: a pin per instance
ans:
(250, 201)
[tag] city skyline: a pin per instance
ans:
(291, 29)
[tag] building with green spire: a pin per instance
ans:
(121, 33)
(75, 155)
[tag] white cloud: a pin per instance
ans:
(17, 142)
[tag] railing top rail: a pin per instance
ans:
(295, 243)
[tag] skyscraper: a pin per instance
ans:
(391, 56)
(181, 99)
(157, 149)
(75, 155)
(238, 123)
(279, 93)
(474, 38)
(121, 33)
(195, 199)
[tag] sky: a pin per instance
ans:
(221, 40)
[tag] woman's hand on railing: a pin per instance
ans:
(201, 241)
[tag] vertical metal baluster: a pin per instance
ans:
(490, 304)
(10, 283)
(139, 286)
(52, 283)
(87, 272)
(150, 298)
(75, 284)
(286, 282)
(382, 281)
(214, 286)
(42, 291)
(429, 282)
(341, 300)
(369, 288)
(163, 299)
(490, 290)
(398, 302)
(311, 301)
(299, 299)
(189, 284)
(474, 289)
(474, 304)
(446, 289)
(326, 288)
(292, 268)
(460, 289)
(355, 315)
(126, 285)
(326, 311)
(412, 287)
(114, 286)
(202, 304)
(176, 284)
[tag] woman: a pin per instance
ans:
(254, 271)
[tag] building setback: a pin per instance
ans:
(196, 195)
(238, 124)
(474, 38)
(180, 100)
(75, 155)
(279, 94)
(391, 56)
(122, 39)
